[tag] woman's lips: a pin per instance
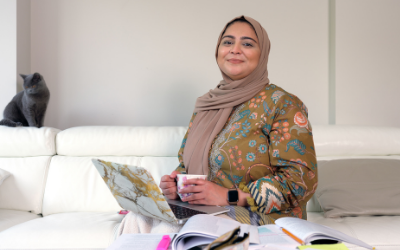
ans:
(235, 61)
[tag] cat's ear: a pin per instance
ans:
(36, 76)
(23, 76)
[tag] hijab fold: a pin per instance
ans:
(214, 108)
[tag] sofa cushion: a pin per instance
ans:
(23, 190)
(27, 141)
(9, 218)
(63, 231)
(3, 175)
(380, 232)
(342, 141)
(75, 185)
(364, 186)
(120, 141)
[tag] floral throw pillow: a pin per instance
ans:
(3, 175)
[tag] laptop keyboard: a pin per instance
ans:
(184, 212)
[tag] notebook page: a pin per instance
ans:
(208, 226)
(308, 231)
(271, 235)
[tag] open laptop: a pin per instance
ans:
(135, 190)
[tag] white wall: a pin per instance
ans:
(8, 52)
(368, 62)
(23, 40)
(146, 62)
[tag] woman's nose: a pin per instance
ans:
(236, 49)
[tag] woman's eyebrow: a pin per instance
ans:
(246, 37)
(228, 36)
(242, 38)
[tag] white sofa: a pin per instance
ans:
(55, 198)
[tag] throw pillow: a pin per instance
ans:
(352, 187)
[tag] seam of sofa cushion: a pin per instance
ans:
(55, 143)
(51, 140)
(44, 182)
(140, 161)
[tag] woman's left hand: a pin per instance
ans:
(205, 193)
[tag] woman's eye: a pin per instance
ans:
(247, 45)
(227, 42)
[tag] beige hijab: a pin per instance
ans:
(214, 108)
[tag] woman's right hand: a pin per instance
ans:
(168, 186)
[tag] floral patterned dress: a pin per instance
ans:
(266, 149)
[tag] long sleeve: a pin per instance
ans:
(293, 179)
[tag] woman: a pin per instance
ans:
(250, 137)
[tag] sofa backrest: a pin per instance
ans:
(342, 141)
(25, 152)
(120, 141)
(43, 182)
(74, 183)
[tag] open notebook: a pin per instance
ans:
(135, 190)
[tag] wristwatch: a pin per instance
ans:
(233, 196)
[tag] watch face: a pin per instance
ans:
(233, 196)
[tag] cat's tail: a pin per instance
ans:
(9, 123)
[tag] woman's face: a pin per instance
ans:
(239, 51)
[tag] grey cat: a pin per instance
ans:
(28, 107)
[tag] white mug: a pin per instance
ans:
(180, 178)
